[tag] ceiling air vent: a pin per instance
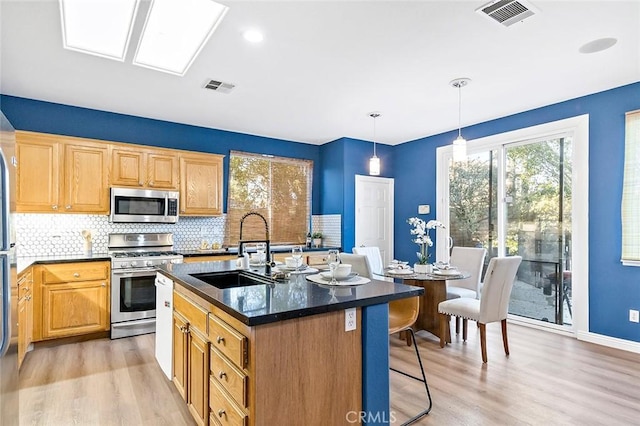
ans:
(507, 12)
(219, 86)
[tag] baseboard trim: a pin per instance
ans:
(611, 342)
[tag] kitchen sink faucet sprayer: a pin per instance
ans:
(242, 242)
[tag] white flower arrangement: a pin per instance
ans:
(421, 231)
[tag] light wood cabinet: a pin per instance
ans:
(25, 314)
(142, 168)
(212, 258)
(257, 377)
(191, 357)
(61, 174)
(73, 299)
(201, 185)
(180, 354)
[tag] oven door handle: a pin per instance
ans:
(126, 273)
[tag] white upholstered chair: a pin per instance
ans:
(471, 260)
(375, 261)
(359, 263)
(493, 305)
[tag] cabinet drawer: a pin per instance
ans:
(195, 315)
(70, 272)
(228, 341)
(229, 377)
(223, 410)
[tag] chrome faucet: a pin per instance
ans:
(242, 242)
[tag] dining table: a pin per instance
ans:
(435, 291)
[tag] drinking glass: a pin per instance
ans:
(333, 260)
(261, 249)
(296, 253)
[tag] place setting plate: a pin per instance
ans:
(400, 271)
(304, 269)
(352, 279)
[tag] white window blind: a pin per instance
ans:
(631, 191)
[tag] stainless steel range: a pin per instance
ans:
(134, 261)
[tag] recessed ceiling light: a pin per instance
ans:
(598, 45)
(254, 36)
(175, 32)
(101, 28)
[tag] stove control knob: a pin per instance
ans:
(164, 262)
(133, 264)
(148, 263)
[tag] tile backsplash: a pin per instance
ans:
(61, 234)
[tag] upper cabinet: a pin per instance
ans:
(61, 174)
(149, 168)
(201, 184)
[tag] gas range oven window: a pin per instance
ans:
(137, 294)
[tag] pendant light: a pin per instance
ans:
(460, 143)
(374, 162)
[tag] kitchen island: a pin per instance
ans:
(287, 345)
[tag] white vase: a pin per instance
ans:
(422, 269)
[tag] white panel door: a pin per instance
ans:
(374, 214)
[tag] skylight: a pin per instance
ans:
(100, 27)
(174, 33)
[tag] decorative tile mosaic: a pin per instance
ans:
(61, 234)
(331, 227)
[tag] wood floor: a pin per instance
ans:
(548, 380)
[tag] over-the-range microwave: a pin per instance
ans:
(131, 205)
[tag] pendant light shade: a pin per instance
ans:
(460, 143)
(374, 162)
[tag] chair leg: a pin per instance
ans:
(505, 340)
(457, 325)
(409, 338)
(444, 328)
(483, 341)
(464, 329)
(423, 380)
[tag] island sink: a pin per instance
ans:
(231, 279)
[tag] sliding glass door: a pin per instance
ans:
(515, 199)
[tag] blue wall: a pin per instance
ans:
(342, 160)
(37, 116)
(613, 288)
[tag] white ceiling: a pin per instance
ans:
(323, 66)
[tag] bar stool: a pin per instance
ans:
(402, 315)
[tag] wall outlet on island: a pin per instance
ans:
(634, 315)
(350, 319)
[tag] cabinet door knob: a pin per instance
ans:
(221, 413)
(220, 339)
(75, 274)
(222, 374)
(150, 183)
(68, 207)
(54, 207)
(104, 284)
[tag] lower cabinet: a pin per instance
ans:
(25, 314)
(72, 299)
(236, 375)
(191, 357)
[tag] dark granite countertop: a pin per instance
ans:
(281, 300)
(23, 263)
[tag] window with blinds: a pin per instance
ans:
(631, 192)
(278, 188)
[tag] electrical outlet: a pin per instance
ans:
(424, 209)
(350, 319)
(634, 315)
